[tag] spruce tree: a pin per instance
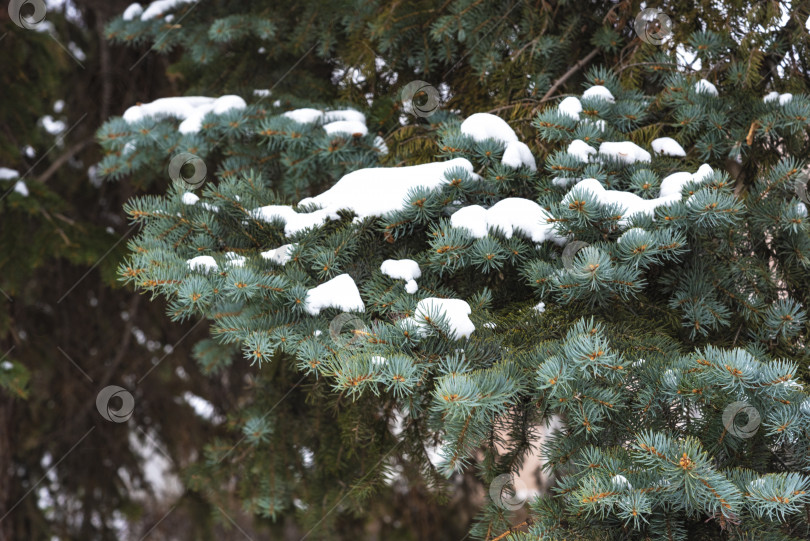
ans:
(634, 278)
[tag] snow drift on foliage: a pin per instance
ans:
(510, 215)
(570, 106)
(191, 109)
(598, 92)
(339, 292)
(455, 311)
(154, 10)
(483, 126)
(625, 151)
(705, 87)
(776, 96)
(668, 146)
(280, 255)
(10, 174)
(203, 263)
(580, 150)
(368, 192)
(403, 269)
(671, 191)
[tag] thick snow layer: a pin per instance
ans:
(483, 126)
(160, 7)
(510, 215)
(281, 255)
(346, 126)
(580, 150)
(776, 96)
(517, 154)
(705, 87)
(455, 311)
(403, 269)
(339, 292)
(570, 106)
(21, 188)
(134, 10)
(625, 151)
(600, 92)
(368, 192)
(668, 146)
(191, 109)
(671, 191)
(190, 198)
(203, 263)
(8, 174)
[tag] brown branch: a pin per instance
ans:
(567, 75)
(60, 161)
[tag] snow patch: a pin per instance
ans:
(483, 126)
(671, 191)
(8, 174)
(21, 188)
(625, 151)
(456, 312)
(403, 269)
(190, 198)
(668, 146)
(776, 96)
(570, 106)
(134, 10)
(599, 92)
(518, 154)
(705, 87)
(368, 192)
(204, 263)
(160, 7)
(340, 292)
(346, 126)
(281, 255)
(510, 215)
(190, 109)
(580, 150)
